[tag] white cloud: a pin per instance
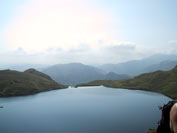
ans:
(43, 24)
(172, 47)
(172, 41)
(85, 53)
(63, 31)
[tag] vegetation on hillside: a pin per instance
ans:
(14, 83)
(164, 82)
(37, 73)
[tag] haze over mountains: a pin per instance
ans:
(23, 67)
(75, 73)
(136, 67)
(164, 65)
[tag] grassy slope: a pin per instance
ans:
(14, 83)
(164, 82)
(37, 73)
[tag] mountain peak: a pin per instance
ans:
(25, 83)
(37, 73)
(31, 70)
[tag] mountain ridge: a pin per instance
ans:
(14, 83)
(136, 67)
(160, 81)
(74, 73)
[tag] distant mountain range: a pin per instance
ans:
(164, 65)
(23, 67)
(14, 83)
(74, 73)
(164, 82)
(136, 67)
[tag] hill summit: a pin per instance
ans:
(14, 83)
(35, 72)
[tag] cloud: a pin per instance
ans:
(44, 24)
(172, 47)
(63, 31)
(104, 53)
(19, 51)
(122, 47)
(172, 41)
(115, 46)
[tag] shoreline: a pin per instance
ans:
(127, 89)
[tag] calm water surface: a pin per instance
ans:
(82, 110)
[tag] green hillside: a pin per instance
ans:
(164, 82)
(35, 72)
(14, 83)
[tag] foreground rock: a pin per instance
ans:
(14, 83)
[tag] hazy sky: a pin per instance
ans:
(87, 31)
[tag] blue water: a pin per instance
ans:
(82, 110)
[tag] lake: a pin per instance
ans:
(82, 110)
